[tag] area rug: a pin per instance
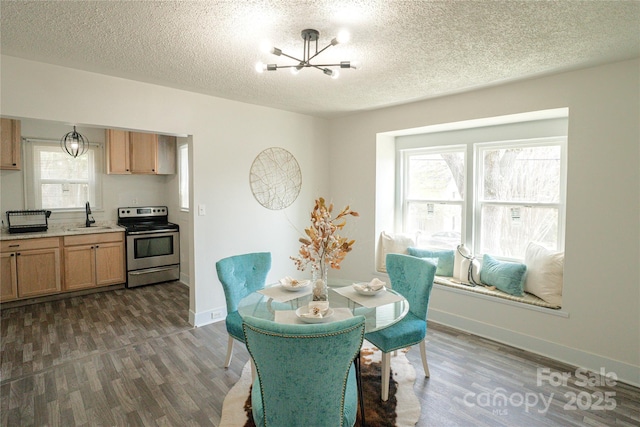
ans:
(401, 410)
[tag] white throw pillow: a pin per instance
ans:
(392, 244)
(544, 273)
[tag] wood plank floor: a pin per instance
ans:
(129, 357)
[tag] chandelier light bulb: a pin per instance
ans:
(266, 46)
(260, 67)
(343, 36)
(335, 74)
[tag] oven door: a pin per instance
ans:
(150, 250)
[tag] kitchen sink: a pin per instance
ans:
(92, 228)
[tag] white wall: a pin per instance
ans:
(602, 273)
(226, 137)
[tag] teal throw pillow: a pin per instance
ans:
(506, 276)
(445, 259)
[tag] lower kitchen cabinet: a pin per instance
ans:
(9, 278)
(93, 260)
(30, 268)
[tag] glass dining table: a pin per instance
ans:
(379, 311)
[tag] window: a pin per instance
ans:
(58, 181)
(484, 188)
(519, 196)
(183, 159)
(434, 194)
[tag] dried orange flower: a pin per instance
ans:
(323, 246)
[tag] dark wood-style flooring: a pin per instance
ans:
(129, 357)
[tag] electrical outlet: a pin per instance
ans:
(216, 314)
(202, 210)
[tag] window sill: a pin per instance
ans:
(529, 302)
(480, 292)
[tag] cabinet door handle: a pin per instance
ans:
(13, 254)
(15, 164)
(14, 246)
(97, 246)
(18, 253)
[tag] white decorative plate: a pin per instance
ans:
(303, 310)
(362, 289)
(294, 285)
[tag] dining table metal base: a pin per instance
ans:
(360, 391)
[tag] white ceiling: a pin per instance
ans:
(408, 50)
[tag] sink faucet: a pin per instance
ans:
(90, 219)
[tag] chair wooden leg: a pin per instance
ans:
(229, 352)
(386, 370)
(423, 353)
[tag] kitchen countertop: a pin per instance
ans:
(58, 230)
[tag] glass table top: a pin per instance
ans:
(376, 318)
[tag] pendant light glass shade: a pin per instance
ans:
(74, 143)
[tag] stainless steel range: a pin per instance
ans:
(153, 245)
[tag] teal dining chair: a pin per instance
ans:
(412, 277)
(305, 373)
(240, 275)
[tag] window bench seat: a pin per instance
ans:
(527, 298)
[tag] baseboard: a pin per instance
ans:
(184, 278)
(206, 317)
(625, 372)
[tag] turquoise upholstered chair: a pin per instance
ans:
(240, 275)
(305, 375)
(413, 278)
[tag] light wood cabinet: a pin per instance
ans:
(30, 268)
(93, 260)
(10, 144)
(9, 277)
(144, 152)
(140, 153)
(118, 161)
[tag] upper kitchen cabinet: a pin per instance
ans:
(140, 153)
(10, 144)
(144, 152)
(118, 161)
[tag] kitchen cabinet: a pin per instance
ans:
(93, 260)
(10, 144)
(140, 153)
(9, 277)
(144, 152)
(30, 268)
(118, 161)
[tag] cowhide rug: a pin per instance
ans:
(401, 410)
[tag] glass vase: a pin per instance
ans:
(320, 289)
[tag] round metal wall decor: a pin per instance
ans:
(275, 178)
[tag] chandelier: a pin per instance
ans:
(74, 143)
(310, 38)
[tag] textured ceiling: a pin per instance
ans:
(408, 50)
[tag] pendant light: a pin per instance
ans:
(74, 143)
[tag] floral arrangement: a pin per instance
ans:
(323, 247)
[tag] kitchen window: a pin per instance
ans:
(57, 181)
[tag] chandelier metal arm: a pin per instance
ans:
(318, 52)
